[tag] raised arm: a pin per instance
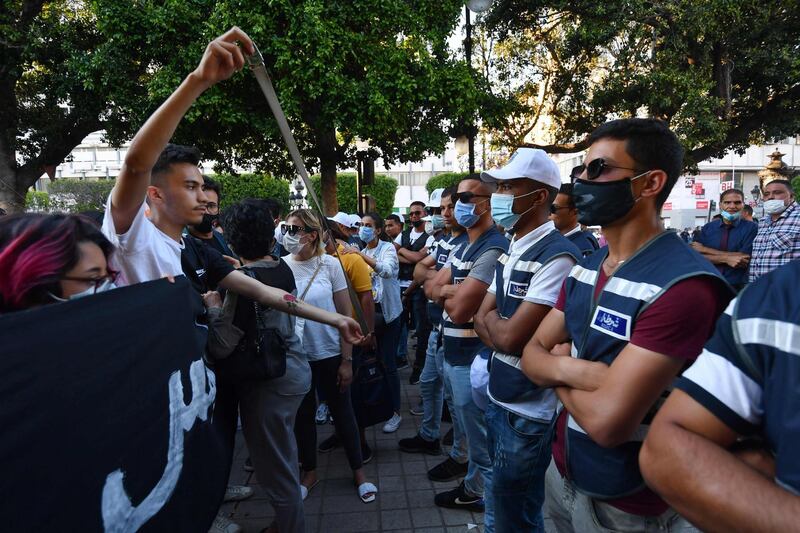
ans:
(221, 59)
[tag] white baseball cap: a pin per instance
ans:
(530, 163)
(355, 221)
(436, 198)
(342, 218)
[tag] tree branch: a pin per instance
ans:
(563, 148)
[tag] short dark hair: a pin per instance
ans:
(417, 202)
(395, 218)
(650, 143)
(449, 192)
(173, 154)
(731, 191)
(249, 228)
(566, 188)
(748, 209)
(211, 185)
(274, 206)
(786, 183)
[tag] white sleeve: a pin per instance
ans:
(139, 235)
(493, 286)
(399, 239)
(545, 285)
(430, 241)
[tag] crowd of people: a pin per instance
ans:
(555, 358)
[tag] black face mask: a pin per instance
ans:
(418, 223)
(207, 224)
(600, 203)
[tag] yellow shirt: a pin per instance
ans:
(357, 270)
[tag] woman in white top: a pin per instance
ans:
(321, 281)
(382, 257)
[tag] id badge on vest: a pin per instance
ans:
(517, 290)
(458, 281)
(613, 323)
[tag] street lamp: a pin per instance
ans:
(362, 157)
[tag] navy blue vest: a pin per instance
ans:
(441, 251)
(585, 242)
(600, 329)
(761, 337)
(507, 383)
(461, 343)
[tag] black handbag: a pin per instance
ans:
(372, 400)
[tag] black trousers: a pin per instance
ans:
(324, 374)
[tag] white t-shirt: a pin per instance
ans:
(144, 252)
(319, 341)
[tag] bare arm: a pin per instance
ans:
(411, 256)
(433, 289)
(220, 61)
(547, 369)
(462, 304)
(422, 270)
(509, 335)
(611, 413)
(488, 306)
(283, 301)
(684, 459)
(718, 257)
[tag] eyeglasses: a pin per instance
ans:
(291, 229)
(97, 282)
(466, 197)
(211, 206)
(595, 168)
(554, 208)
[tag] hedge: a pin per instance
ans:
(383, 191)
(443, 181)
(236, 188)
(37, 201)
(75, 196)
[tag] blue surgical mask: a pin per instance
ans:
(731, 217)
(465, 214)
(503, 208)
(366, 233)
(438, 222)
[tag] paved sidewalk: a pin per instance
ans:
(405, 497)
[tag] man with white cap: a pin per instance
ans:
(526, 286)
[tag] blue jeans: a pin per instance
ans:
(478, 480)
(520, 452)
(432, 389)
(387, 337)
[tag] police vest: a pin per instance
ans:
(441, 251)
(765, 325)
(600, 328)
(406, 269)
(461, 343)
(507, 383)
(585, 242)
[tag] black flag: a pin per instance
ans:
(107, 414)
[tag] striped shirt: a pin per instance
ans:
(776, 243)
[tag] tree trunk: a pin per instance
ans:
(330, 203)
(12, 196)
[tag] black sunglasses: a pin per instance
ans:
(595, 168)
(291, 229)
(466, 197)
(554, 208)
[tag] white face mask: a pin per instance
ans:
(774, 207)
(107, 285)
(292, 244)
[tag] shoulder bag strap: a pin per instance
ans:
(313, 277)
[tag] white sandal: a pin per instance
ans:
(305, 490)
(367, 492)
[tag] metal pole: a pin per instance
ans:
(468, 54)
(358, 185)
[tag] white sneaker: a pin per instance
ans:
(392, 424)
(235, 493)
(223, 525)
(322, 413)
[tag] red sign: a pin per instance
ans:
(667, 206)
(725, 185)
(698, 189)
(701, 204)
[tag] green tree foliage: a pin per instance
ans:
(74, 196)
(241, 186)
(380, 70)
(383, 190)
(445, 180)
(723, 74)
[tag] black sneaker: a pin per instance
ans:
(248, 465)
(414, 378)
(329, 444)
(366, 453)
(447, 440)
(447, 470)
(417, 444)
(458, 498)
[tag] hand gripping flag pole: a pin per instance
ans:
(256, 64)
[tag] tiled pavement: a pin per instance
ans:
(405, 498)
